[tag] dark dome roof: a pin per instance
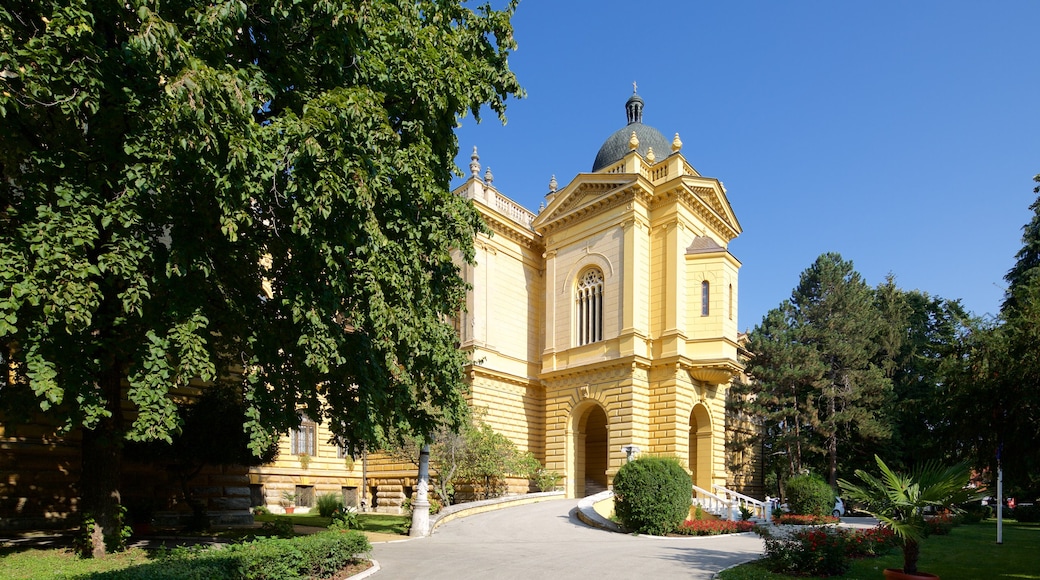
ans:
(615, 147)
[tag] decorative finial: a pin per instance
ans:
(474, 164)
(676, 144)
(633, 87)
(633, 142)
(541, 206)
(650, 154)
(488, 178)
(552, 184)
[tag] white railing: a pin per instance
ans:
(712, 503)
(514, 210)
(759, 509)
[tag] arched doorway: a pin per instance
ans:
(700, 447)
(590, 442)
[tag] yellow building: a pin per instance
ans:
(606, 320)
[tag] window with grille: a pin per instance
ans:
(304, 438)
(589, 305)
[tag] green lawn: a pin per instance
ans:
(377, 523)
(970, 552)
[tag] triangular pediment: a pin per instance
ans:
(711, 194)
(586, 191)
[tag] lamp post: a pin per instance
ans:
(630, 452)
(421, 505)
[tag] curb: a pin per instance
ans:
(587, 512)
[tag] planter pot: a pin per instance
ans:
(898, 574)
(290, 509)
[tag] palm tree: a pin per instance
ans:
(898, 499)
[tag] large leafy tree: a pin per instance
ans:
(190, 189)
(815, 376)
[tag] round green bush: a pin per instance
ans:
(652, 495)
(809, 495)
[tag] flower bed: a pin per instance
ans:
(713, 527)
(824, 551)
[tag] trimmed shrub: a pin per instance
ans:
(317, 556)
(652, 495)
(1026, 513)
(809, 495)
(326, 553)
(328, 503)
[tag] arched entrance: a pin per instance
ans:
(700, 447)
(590, 443)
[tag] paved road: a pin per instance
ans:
(546, 540)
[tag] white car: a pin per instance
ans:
(839, 508)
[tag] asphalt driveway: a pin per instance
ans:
(546, 540)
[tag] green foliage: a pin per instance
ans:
(435, 505)
(817, 382)
(816, 551)
(328, 504)
(746, 513)
(547, 480)
(345, 519)
(898, 500)
(1026, 513)
(326, 553)
(280, 527)
(115, 541)
(809, 495)
(188, 189)
(490, 457)
(652, 495)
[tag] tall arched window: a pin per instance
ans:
(729, 302)
(588, 302)
(705, 296)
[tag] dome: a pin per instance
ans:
(616, 146)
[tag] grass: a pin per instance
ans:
(375, 523)
(970, 552)
(34, 563)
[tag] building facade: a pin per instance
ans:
(608, 319)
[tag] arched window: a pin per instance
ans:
(705, 296)
(729, 302)
(588, 302)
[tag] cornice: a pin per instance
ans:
(621, 365)
(474, 370)
(510, 229)
(695, 200)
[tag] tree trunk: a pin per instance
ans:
(102, 457)
(832, 447)
(911, 552)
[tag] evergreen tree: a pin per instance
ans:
(189, 189)
(1027, 260)
(813, 368)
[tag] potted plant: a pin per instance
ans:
(898, 500)
(290, 501)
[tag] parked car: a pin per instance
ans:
(839, 508)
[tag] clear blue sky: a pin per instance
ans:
(903, 135)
